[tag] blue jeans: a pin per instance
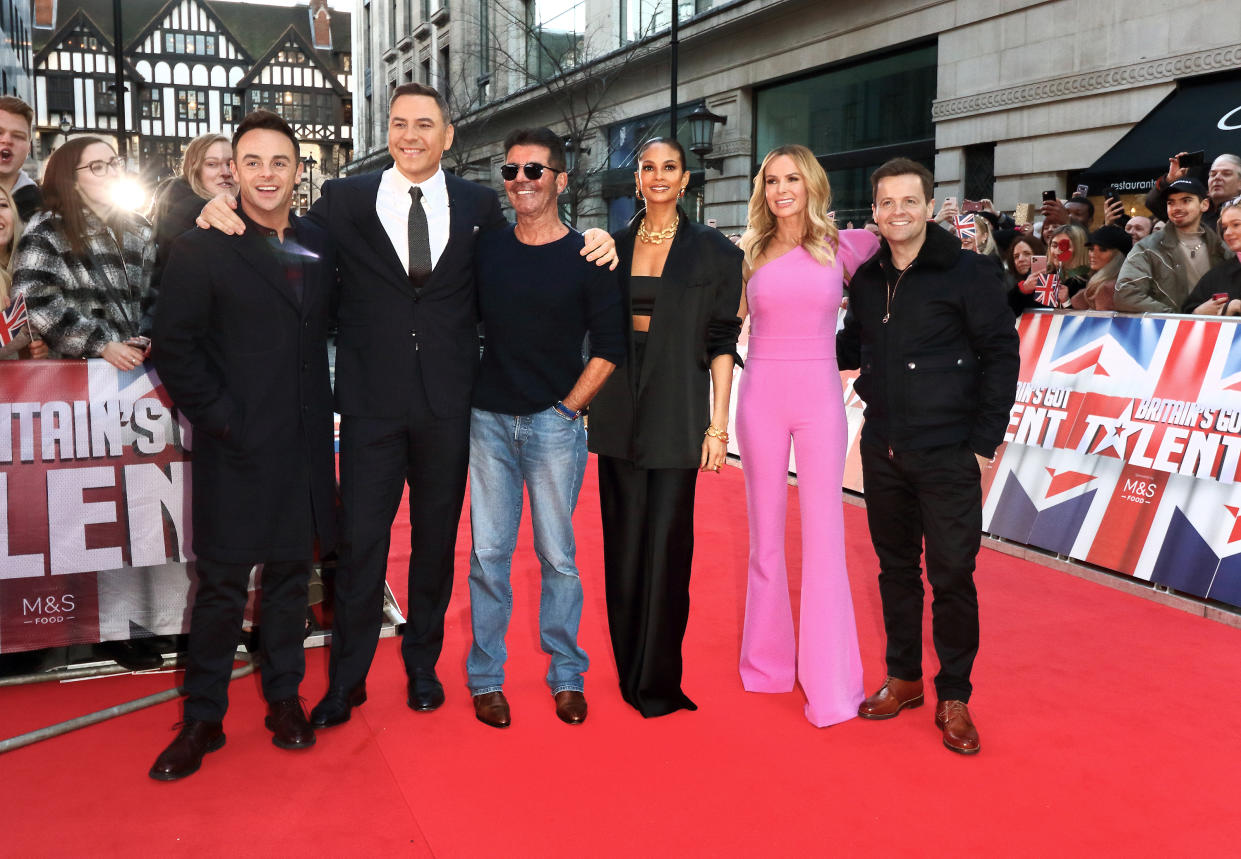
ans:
(547, 454)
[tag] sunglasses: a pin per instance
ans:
(101, 168)
(532, 169)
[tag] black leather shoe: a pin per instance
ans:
(426, 693)
(335, 707)
(184, 755)
(287, 721)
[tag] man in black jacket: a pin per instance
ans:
(929, 328)
(240, 345)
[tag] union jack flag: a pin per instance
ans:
(12, 320)
(964, 227)
(1047, 289)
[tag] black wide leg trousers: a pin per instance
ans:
(648, 549)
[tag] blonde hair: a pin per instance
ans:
(192, 162)
(1080, 256)
(820, 238)
(1104, 277)
(8, 251)
(987, 246)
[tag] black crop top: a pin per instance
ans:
(642, 293)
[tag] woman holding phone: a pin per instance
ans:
(84, 265)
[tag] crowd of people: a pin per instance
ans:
(1072, 257)
(406, 263)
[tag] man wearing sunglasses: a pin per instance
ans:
(539, 300)
(406, 359)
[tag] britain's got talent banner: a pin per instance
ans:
(94, 505)
(1123, 448)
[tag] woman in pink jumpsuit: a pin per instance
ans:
(797, 264)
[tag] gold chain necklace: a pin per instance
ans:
(887, 310)
(657, 237)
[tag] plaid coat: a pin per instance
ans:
(80, 304)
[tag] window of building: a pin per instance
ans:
(191, 104)
(556, 39)
(641, 18)
(60, 93)
(105, 98)
(230, 107)
(979, 171)
(854, 117)
(151, 103)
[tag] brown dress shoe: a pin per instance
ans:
(491, 709)
(571, 707)
(960, 735)
(287, 721)
(184, 755)
(895, 695)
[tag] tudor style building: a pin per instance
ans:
(192, 67)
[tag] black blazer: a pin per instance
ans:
(246, 363)
(382, 322)
(657, 420)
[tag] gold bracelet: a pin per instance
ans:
(715, 432)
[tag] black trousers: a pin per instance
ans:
(934, 495)
(648, 549)
(215, 631)
(378, 458)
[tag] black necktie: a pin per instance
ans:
(419, 240)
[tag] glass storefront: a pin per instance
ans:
(854, 117)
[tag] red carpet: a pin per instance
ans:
(1109, 727)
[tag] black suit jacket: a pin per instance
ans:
(246, 363)
(384, 325)
(657, 420)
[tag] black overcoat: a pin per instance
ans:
(658, 419)
(246, 362)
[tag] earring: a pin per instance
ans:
(681, 195)
(637, 192)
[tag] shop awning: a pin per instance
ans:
(1201, 113)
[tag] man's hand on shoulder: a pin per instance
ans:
(600, 248)
(219, 214)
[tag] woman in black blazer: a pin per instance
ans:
(659, 419)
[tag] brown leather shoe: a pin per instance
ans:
(491, 708)
(184, 755)
(960, 735)
(287, 721)
(895, 695)
(571, 707)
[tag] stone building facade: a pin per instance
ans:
(1004, 99)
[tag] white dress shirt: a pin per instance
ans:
(392, 206)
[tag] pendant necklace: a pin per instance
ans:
(887, 314)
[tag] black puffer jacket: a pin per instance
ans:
(943, 368)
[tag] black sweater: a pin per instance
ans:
(537, 303)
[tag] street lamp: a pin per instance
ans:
(310, 163)
(573, 149)
(65, 126)
(702, 124)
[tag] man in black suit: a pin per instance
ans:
(406, 359)
(240, 346)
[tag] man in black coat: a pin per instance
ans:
(929, 327)
(240, 345)
(406, 359)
